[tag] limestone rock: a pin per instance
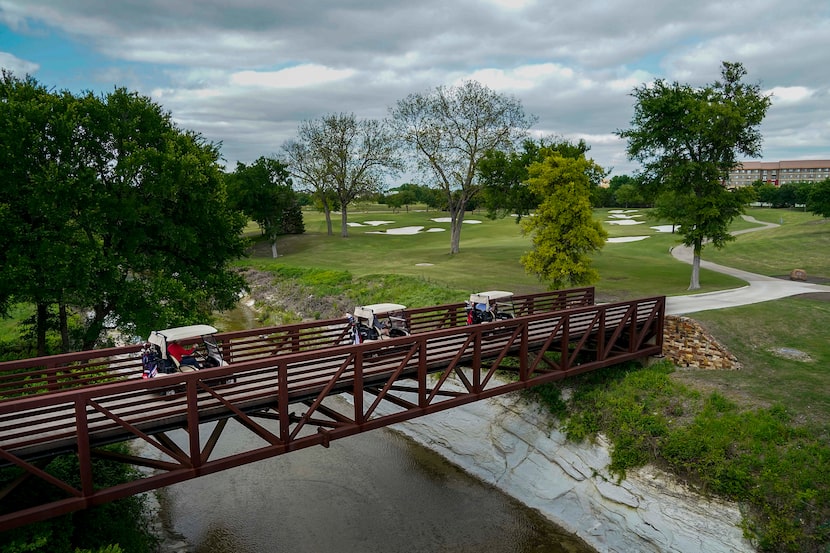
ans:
(512, 445)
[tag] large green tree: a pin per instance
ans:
(688, 139)
(345, 156)
(563, 229)
(161, 216)
(449, 130)
(110, 211)
(45, 253)
(818, 200)
(503, 175)
(263, 191)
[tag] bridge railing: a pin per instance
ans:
(411, 372)
(50, 421)
(73, 370)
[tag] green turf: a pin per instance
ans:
(801, 242)
(489, 256)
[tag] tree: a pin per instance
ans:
(44, 251)
(311, 170)
(688, 139)
(161, 215)
(602, 197)
(627, 194)
(768, 194)
(263, 192)
(112, 211)
(791, 194)
(449, 130)
(504, 174)
(564, 231)
(345, 156)
(818, 201)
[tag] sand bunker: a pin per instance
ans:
(401, 230)
(625, 222)
(626, 239)
(449, 220)
(404, 230)
(663, 228)
(370, 223)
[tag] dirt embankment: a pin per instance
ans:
(275, 295)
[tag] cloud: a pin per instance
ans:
(790, 94)
(292, 77)
(246, 74)
(16, 65)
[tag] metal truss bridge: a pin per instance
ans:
(278, 385)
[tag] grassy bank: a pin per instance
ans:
(757, 436)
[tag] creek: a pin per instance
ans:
(374, 492)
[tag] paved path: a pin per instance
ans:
(759, 287)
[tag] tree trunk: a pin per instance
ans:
(327, 211)
(92, 333)
(64, 326)
(274, 249)
(456, 220)
(695, 282)
(344, 219)
(40, 328)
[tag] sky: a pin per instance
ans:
(246, 73)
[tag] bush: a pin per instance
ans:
(118, 527)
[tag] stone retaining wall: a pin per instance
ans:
(687, 344)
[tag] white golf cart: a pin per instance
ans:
(160, 355)
(486, 307)
(378, 321)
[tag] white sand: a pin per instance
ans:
(626, 239)
(625, 222)
(448, 220)
(404, 230)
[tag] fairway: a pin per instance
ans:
(635, 262)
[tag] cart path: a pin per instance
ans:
(759, 288)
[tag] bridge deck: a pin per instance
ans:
(410, 371)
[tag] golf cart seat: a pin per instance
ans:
(486, 307)
(378, 321)
(160, 341)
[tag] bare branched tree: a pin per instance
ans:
(342, 156)
(448, 131)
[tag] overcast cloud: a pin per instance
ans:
(245, 75)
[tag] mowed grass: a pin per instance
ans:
(489, 257)
(784, 352)
(801, 242)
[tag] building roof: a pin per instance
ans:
(786, 164)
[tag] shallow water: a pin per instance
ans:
(374, 492)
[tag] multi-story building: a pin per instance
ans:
(779, 172)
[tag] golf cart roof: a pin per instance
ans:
(182, 332)
(486, 297)
(377, 309)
